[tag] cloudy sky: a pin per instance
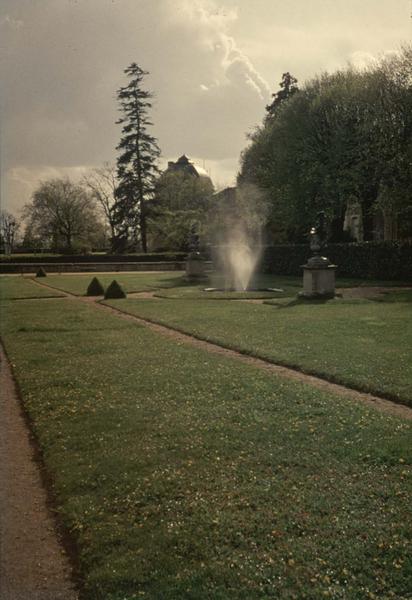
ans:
(213, 65)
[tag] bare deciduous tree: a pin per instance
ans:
(9, 227)
(102, 183)
(63, 214)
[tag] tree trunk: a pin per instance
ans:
(143, 232)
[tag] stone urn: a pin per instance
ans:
(195, 262)
(318, 272)
(195, 267)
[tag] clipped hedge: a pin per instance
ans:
(114, 290)
(96, 258)
(95, 288)
(364, 260)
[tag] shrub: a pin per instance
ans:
(114, 291)
(41, 272)
(95, 288)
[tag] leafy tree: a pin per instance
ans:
(390, 134)
(102, 184)
(180, 200)
(343, 138)
(9, 227)
(63, 215)
(136, 164)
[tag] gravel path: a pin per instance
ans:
(33, 563)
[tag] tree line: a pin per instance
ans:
(341, 139)
(126, 207)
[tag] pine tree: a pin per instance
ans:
(136, 163)
(288, 87)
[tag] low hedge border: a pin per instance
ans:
(364, 260)
(95, 258)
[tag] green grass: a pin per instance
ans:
(131, 282)
(396, 296)
(363, 344)
(31, 255)
(180, 474)
(14, 288)
(172, 284)
(290, 286)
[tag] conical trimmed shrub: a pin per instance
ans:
(95, 288)
(114, 291)
(41, 273)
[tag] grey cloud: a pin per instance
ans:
(62, 61)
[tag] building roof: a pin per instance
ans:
(184, 164)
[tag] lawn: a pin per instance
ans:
(360, 343)
(169, 284)
(14, 288)
(180, 474)
(132, 282)
(172, 284)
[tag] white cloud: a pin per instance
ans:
(8, 21)
(361, 60)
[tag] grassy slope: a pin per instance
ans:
(185, 475)
(364, 344)
(22, 288)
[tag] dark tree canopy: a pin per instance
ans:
(136, 163)
(343, 139)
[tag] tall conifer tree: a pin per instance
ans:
(136, 163)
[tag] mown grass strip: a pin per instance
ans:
(22, 288)
(365, 345)
(184, 475)
(131, 282)
(173, 284)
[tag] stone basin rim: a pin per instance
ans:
(267, 289)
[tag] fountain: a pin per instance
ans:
(239, 222)
(238, 260)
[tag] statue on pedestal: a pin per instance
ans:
(195, 263)
(318, 273)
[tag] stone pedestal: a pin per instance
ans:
(318, 278)
(195, 267)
